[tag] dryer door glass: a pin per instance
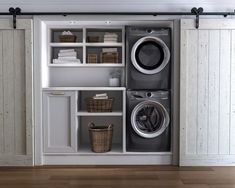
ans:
(149, 119)
(150, 55)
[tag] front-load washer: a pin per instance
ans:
(148, 121)
(148, 58)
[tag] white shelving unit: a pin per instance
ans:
(64, 131)
(82, 33)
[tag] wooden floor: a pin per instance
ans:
(118, 177)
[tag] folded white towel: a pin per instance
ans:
(68, 50)
(67, 33)
(66, 54)
(109, 49)
(59, 61)
(110, 34)
(101, 95)
(67, 58)
(110, 41)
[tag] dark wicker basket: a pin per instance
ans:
(67, 38)
(109, 57)
(99, 105)
(100, 138)
(93, 39)
(92, 58)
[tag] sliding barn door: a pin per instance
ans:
(207, 92)
(16, 93)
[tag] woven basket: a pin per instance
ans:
(109, 57)
(92, 58)
(67, 38)
(93, 39)
(99, 105)
(100, 137)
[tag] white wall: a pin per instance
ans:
(117, 5)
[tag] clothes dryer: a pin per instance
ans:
(148, 56)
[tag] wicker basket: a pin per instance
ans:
(99, 105)
(93, 39)
(67, 38)
(92, 58)
(100, 137)
(109, 57)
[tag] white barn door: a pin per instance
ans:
(16, 124)
(207, 92)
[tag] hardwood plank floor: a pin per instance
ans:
(117, 177)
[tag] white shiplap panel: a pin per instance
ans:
(8, 84)
(202, 94)
(191, 98)
(29, 88)
(16, 146)
(215, 78)
(1, 98)
(209, 24)
(213, 91)
(183, 92)
(232, 110)
(224, 115)
(19, 94)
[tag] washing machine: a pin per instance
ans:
(148, 56)
(148, 121)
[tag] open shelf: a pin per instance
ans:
(86, 149)
(84, 46)
(97, 65)
(105, 44)
(84, 138)
(84, 113)
(85, 88)
(63, 44)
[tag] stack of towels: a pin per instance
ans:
(110, 37)
(101, 96)
(109, 50)
(67, 56)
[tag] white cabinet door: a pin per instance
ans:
(207, 92)
(59, 121)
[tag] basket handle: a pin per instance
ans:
(110, 126)
(91, 124)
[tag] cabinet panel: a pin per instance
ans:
(59, 121)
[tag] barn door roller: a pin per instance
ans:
(197, 12)
(14, 12)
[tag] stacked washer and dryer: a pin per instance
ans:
(148, 82)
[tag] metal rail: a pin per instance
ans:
(194, 12)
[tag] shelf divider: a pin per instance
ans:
(85, 113)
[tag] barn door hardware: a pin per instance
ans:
(14, 12)
(197, 12)
(194, 12)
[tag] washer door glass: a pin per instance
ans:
(150, 55)
(149, 119)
